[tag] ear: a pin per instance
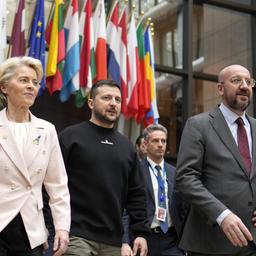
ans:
(3, 88)
(90, 103)
(220, 88)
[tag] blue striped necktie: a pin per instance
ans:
(161, 197)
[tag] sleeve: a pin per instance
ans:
(64, 146)
(55, 183)
(126, 238)
(190, 172)
(136, 201)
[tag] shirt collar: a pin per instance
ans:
(231, 116)
(153, 164)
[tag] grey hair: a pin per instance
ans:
(153, 127)
(8, 69)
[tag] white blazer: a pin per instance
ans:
(21, 179)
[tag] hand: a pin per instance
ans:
(254, 218)
(236, 231)
(140, 245)
(126, 250)
(61, 241)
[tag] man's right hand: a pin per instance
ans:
(236, 231)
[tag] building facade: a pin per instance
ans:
(193, 41)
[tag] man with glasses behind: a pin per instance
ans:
(216, 172)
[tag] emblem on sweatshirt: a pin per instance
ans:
(106, 142)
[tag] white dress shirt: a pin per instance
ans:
(153, 174)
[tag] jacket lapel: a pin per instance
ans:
(253, 133)
(148, 180)
(9, 146)
(221, 127)
(169, 183)
(35, 140)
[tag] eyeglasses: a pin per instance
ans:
(237, 81)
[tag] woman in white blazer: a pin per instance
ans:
(30, 157)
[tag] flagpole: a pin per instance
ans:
(125, 7)
(140, 20)
(131, 12)
(111, 9)
(50, 13)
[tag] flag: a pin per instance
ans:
(56, 54)
(124, 61)
(72, 62)
(151, 116)
(37, 39)
(143, 88)
(99, 22)
(113, 42)
(132, 47)
(87, 58)
(3, 43)
(17, 40)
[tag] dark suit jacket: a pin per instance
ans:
(173, 205)
(212, 178)
(175, 201)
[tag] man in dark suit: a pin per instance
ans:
(216, 172)
(159, 179)
(140, 147)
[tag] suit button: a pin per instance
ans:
(249, 203)
(13, 187)
(28, 187)
(39, 171)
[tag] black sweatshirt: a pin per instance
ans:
(103, 178)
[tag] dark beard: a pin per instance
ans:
(238, 105)
(104, 119)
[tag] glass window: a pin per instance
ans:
(168, 21)
(220, 37)
(205, 96)
(147, 5)
(245, 2)
(169, 101)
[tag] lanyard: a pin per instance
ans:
(155, 171)
(161, 183)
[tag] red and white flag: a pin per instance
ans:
(132, 105)
(99, 22)
(124, 60)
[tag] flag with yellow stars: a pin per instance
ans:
(37, 38)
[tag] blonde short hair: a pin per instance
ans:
(8, 69)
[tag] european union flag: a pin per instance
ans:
(37, 39)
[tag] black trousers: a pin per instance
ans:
(160, 244)
(14, 240)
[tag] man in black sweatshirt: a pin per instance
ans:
(104, 178)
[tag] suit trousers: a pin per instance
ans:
(14, 240)
(160, 244)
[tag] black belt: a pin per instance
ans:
(158, 230)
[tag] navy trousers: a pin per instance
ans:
(160, 244)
